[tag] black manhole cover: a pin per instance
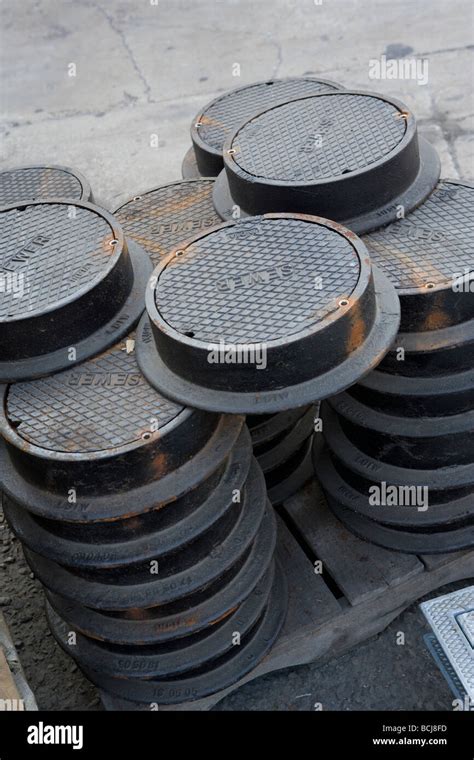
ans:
(417, 396)
(162, 218)
(181, 574)
(428, 257)
(350, 156)
(449, 488)
(417, 442)
(267, 314)
(219, 118)
(182, 617)
(101, 429)
(39, 183)
(406, 541)
(100, 406)
(284, 447)
(189, 167)
(71, 285)
(264, 428)
(285, 481)
(285, 457)
(138, 538)
(167, 658)
(433, 353)
(217, 674)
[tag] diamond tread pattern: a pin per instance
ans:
(316, 138)
(256, 281)
(163, 218)
(466, 621)
(38, 183)
(101, 404)
(222, 117)
(56, 254)
(431, 245)
(444, 614)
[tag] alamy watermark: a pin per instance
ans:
(13, 283)
(384, 495)
(399, 68)
(463, 282)
(238, 353)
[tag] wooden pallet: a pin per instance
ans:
(361, 590)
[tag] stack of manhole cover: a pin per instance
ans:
(175, 212)
(219, 118)
(399, 465)
(127, 467)
(149, 525)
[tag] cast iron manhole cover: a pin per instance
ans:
(164, 217)
(70, 286)
(281, 288)
(218, 673)
(98, 406)
(349, 156)
(35, 183)
(168, 658)
(101, 428)
(428, 257)
(221, 116)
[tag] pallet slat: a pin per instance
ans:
(310, 600)
(432, 561)
(361, 570)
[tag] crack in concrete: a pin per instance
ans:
(64, 115)
(449, 130)
(118, 31)
(279, 60)
(446, 50)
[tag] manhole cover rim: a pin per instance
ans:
(231, 166)
(363, 281)
(340, 377)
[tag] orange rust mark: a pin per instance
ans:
(133, 522)
(409, 261)
(207, 121)
(135, 613)
(149, 239)
(357, 328)
(437, 317)
(159, 465)
(225, 615)
(435, 320)
(46, 182)
(316, 220)
(106, 246)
